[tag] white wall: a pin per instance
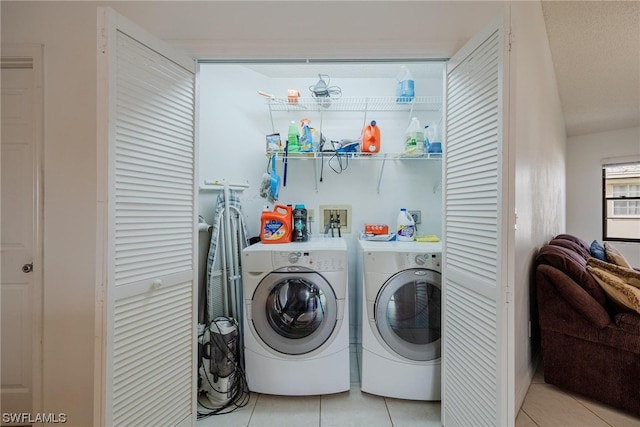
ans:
(584, 182)
(538, 138)
(235, 119)
(68, 32)
(68, 35)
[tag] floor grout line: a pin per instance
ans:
(388, 411)
(590, 410)
(253, 409)
(530, 417)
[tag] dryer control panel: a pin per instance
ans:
(315, 260)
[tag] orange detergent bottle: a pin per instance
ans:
(276, 225)
(371, 138)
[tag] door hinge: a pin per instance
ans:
(102, 32)
(509, 40)
(103, 40)
(101, 293)
(508, 296)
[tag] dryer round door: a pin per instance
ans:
(407, 314)
(294, 310)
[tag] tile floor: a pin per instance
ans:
(544, 406)
(547, 406)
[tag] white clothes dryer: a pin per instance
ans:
(296, 327)
(401, 317)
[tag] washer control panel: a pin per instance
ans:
(316, 260)
(432, 261)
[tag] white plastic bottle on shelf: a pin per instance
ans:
(414, 138)
(405, 88)
(406, 227)
(435, 140)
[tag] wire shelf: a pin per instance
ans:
(356, 155)
(362, 104)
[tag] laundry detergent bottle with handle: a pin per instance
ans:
(406, 227)
(414, 139)
(371, 138)
(275, 226)
(405, 89)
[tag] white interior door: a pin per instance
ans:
(147, 299)
(477, 358)
(21, 312)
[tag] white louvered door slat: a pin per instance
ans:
(148, 278)
(474, 347)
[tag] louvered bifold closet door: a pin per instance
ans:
(151, 298)
(474, 346)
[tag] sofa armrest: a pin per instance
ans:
(628, 322)
(567, 302)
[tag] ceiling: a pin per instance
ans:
(595, 45)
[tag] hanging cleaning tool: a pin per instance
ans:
(306, 139)
(371, 138)
(427, 143)
(275, 225)
(275, 179)
(285, 160)
(266, 188)
(292, 146)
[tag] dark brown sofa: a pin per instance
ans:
(588, 346)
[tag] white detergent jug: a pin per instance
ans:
(406, 227)
(414, 139)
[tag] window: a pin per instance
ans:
(621, 201)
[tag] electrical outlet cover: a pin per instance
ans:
(417, 216)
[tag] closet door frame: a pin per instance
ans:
(174, 289)
(478, 365)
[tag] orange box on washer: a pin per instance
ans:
(376, 229)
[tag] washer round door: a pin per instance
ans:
(407, 313)
(294, 310)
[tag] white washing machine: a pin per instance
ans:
(401, 315)
(296, 317)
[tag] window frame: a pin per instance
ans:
(608, 202)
